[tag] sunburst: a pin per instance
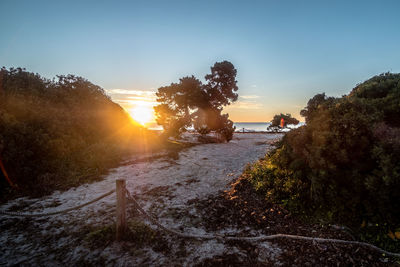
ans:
(142, 114)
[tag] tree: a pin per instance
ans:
(288, 119)
(190, 102)
(176, 101)
(319, 101)
(221, 84)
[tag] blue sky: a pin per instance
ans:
(285, 51)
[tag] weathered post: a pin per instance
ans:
(121, 209)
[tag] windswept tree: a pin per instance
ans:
(177, 100)
(221, 84)
(287, 119)
(190, 102)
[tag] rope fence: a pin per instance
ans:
(252, 238)
(20, 214)
(123, 195)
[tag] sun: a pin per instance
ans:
(142, 114)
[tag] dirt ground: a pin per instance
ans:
(188, 191)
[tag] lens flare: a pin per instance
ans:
(142, 114)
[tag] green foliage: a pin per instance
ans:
(203, 130)
(190, 102)
(176, 101)
(221, 84)
(379, 235)
(343, 164)
(137, 236)
(100, 236)
(59, 133)
(225, 128)
(137, 232)
(141, 233)
(288, 119)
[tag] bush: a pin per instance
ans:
(225, 128)
(343, 164)
(55, 134)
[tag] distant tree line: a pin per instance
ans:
(192, 103)
(57, 133)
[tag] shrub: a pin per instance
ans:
(58, 133)
(343, 163)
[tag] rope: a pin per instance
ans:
(19, 214)
(154, 221)
(255, 238)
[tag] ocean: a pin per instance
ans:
(251, 126)
(260, 126)
(245, 126)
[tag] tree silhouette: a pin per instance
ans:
(287, 118)
(190, 102)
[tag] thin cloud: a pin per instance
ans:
(131, 92)
(148, 98)
(246, 105)
(247, 102)
(131, 98)
(249, 96)
(142, 98)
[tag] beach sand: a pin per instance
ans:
(162, 185)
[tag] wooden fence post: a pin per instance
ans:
(121, 208)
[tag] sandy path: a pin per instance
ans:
(163, 186)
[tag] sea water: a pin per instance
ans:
(251, 126)
(260, 127)
(243, 127)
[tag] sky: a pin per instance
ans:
(285, 52)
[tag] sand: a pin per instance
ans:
(163, 186)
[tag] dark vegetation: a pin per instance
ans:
(241, 207)
(138, 235)
(192, 103)
(59, 133)
(343, 165)
(287, 118)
